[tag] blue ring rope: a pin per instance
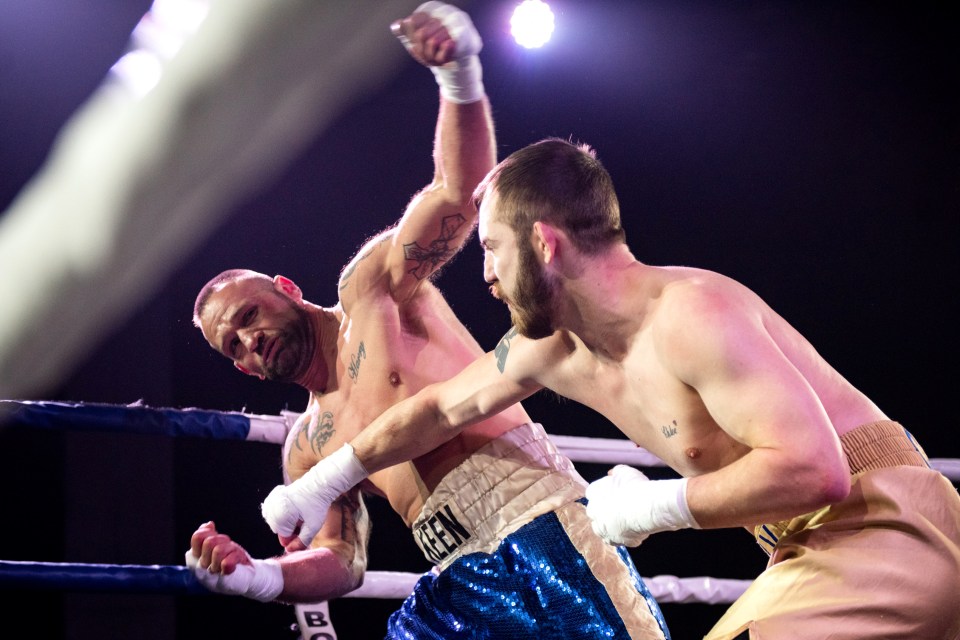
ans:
(108, 578)
(126, 419)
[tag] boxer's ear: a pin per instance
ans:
(287, 287)
(546, 241)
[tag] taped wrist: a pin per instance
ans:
(335, 474)
(461, 80)
(263, 580)
(663, 507)
(267, 580)
(308, 498)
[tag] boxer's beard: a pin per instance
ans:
(534, 298)
(293, 351)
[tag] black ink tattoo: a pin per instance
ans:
(427, 259)
(348, 526)
(323, 431)
(503, 348)
(302, 431)
(669, 430)
(354, 368)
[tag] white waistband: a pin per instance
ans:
(502, 486)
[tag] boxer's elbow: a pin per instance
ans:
(825, 481)
(835, 484)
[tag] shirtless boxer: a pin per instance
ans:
(497, 509)
(863, 536)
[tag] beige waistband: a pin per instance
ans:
(502, 486)
(875, 445)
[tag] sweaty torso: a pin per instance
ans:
(387, 352)
(668, 417)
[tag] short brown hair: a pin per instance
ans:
(561, 183)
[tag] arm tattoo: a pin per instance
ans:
(427, 259)
(503, 348)
(354, 368)
(348, 526)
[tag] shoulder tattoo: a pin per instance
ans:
(316, 432)
(427, 259)
(503, 348)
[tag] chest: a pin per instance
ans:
(650, 406)
(385, 353)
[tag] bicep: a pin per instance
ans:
(746, 383)
(488, 385)
(478, 392)
(432, 230)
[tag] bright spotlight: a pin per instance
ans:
(532, 24)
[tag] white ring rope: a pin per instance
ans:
(273, 429)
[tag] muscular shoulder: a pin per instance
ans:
(307, 441)
(366, 274)
(694, 296)
(699, 317)
(526, 359)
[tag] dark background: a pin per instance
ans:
(807, 149)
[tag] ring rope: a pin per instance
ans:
(235, 425)
(179, 580)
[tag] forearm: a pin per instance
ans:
(464, 145)
(765, 486)
(761, 487)
(405, 431)
(317, 575)
(464, 150)
(437, 413)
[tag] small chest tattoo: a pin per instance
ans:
(669, 430)
(355, 359)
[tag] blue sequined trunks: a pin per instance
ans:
(517, 592)
(549, 577)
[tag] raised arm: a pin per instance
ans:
(410, 429)
(440, 218)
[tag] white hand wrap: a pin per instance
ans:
(626, 507)
(461, 80)
(308, 498)
(263, 581)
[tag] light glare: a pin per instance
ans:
(532, 24)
